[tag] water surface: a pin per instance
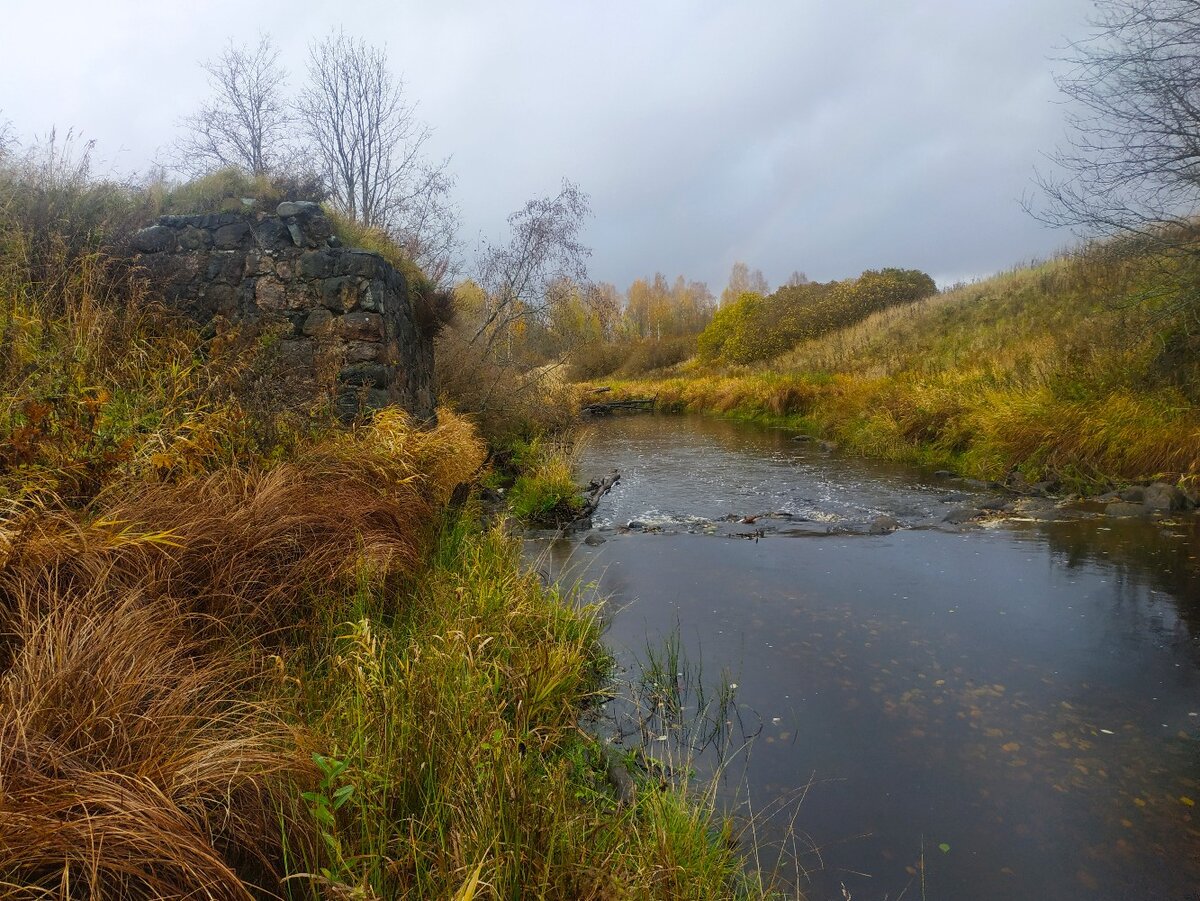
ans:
(1017, 705)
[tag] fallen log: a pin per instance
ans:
(595, 490)
(600, 408)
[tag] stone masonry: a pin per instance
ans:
(348, 328)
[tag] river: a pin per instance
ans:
(983, 711)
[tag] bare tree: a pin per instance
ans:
(371, 148)
(743, 280)
(245, 122)
(1131, 165)
(517, 282)
(544, 248)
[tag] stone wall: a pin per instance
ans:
(348, 330)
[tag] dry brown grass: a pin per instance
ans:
(140, 755)
(132, 765)
(250, 548)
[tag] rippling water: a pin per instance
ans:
(1018, 705)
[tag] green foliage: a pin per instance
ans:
(755, 327)
(451, 706)
(544, 492)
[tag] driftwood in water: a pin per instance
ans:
(604, 408)
(595, 490)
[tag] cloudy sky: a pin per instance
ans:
(827, 136)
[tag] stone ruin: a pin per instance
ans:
(346, 324)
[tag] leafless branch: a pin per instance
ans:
(246, 121)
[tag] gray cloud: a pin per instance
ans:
(828, 137)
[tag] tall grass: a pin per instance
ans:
(250, 656)
(457, 750)
(1078, 370)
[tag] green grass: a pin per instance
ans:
(453, 706)
(544, 492)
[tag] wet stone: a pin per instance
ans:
(960, 515)
(1122, 509)
(883, 525)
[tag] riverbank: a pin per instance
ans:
(274, 656)
(1071, 372)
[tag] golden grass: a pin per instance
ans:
(141, 754)
(1062, 370)
(241, 656)
(132, 765)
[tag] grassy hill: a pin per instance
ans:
(1084, 370)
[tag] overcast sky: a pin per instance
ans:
(827, 136)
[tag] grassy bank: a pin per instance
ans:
(1076, 370)
(251, 655)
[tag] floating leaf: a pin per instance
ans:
(944, 848)
(1184, 799)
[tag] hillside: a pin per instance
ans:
(1082, 370)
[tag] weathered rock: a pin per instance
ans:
(359, 263)
(270, 294)
(1164, 498)
(154, 239)
(1135, 494)
(349, 329)
(362, 351)
(943, 474)
(883, 525)
(317, 322)
(298, 208)
(1124, 509)
(339, 293)
(271, 234)
(317, 264)
(361, 326)
(594, 540)
(228, 237)
(192, 238)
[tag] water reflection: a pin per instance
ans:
(1018, 704)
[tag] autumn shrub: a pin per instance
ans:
(755, 327)
(54, 212)
(507, 400)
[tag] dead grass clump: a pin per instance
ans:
(129, 765)
(244, 548)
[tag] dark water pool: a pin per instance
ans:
(1017, 705)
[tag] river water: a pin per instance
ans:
(996, 711)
